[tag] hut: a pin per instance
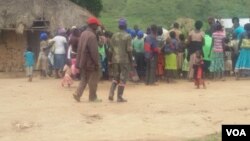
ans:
(21, 22)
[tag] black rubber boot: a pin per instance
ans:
(120, 93)
(112, 91)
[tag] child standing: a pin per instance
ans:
(29, 63)
(185, 65)
(74, 70)
(67, 80)
(180, 54)
(228, 58)
(102, 49)
(198, 70)
(235, 51)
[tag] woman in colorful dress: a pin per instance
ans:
(243, 63)
(217, 58)
(160, 56)
(42, 62)
(170, 50)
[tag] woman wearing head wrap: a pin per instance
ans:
(133, 34)
(138, 49)
(60, 48)
(42, 62)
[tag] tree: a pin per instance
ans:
(94, 6)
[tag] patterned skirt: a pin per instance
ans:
(243, 62)
(217, 62)
(67, 80)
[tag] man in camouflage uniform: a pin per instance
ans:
(121, 58)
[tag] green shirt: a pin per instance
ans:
(138, 45)
(120, 47)
(102, 52)
(206, 48)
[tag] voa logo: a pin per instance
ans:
(236, 132)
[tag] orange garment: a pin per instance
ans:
(160, 65)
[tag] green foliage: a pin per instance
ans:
(94, 6)
(165, 12)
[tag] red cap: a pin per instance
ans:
(93, 20)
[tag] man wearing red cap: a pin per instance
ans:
(88, 61)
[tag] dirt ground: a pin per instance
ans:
(44, 111)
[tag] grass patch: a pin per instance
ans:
(165, 12)
(212, 137)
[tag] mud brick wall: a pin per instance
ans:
(12, 47)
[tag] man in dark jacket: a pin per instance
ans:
(88, 61)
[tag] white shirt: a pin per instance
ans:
(60, 43)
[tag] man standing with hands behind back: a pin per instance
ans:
(88, 61)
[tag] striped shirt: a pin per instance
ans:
(218, 38)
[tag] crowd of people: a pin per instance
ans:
(91, 53)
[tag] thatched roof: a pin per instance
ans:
(60, 13)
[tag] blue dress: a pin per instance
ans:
(29, 58)
(243, 62)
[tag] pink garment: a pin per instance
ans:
(218, 38)
(67, 80)
(74, 70)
